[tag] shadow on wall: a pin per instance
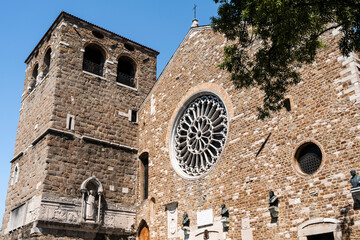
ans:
(346, 223)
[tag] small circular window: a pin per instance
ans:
(308, 158)
(199, 136)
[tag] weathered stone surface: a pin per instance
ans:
(53, 161)
(323, 111)
(56, 154)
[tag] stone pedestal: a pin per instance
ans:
(355, 192)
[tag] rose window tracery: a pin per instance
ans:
(200, 135)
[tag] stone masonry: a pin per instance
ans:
(53, 159)
(85, 168)
(324, 111)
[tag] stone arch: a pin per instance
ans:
(98, 44)
(143, 231)
(319, 227)
(130, 57)
(93, 180)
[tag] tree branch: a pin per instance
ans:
(333, 27)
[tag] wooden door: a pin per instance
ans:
(144, 234)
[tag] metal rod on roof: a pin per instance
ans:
(194, 11)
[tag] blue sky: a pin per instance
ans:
(158, 24)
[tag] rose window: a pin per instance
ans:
(200, 135)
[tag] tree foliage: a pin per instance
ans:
(273, 38)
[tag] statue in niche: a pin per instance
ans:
(92, 191)
(90, 205)
(355, 183)
(224, 216)
(273, 206)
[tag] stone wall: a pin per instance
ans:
(323, 112)
(37, 103)
(54, 158)
(99, 103)
(72, 161)
(31, 168)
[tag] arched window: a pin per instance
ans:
(47, 60)
(94, 58)
(35, 71)
(126, 70)
(15, 175)
(33, 77)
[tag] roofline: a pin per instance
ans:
(65, 14)
(171, 59)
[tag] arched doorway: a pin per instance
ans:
(320, 229)
(144, 233)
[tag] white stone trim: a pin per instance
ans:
(64, 44)
(94, 75)
(123, 85)
(351, 75)
(123, 114)
(320, 226)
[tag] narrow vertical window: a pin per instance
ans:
(146, 178)
(144, 175)
(133, 116)
(287, 104)
(70, 122)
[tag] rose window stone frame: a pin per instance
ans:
(199, 134)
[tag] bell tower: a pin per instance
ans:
(74, 170)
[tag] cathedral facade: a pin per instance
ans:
(106, 151)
